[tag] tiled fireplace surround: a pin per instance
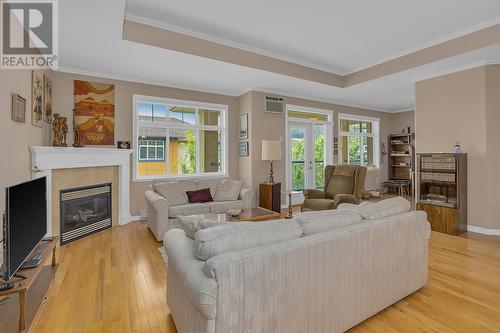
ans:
(68, 167)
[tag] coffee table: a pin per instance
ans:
(256, 214)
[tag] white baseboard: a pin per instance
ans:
(136, 218)
(484, 231)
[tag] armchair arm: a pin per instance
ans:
(314, 194)
(157, 213)
(246, 195)
(345, 198)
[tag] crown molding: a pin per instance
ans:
(458, 69)
(132, 79)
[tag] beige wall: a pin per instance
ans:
(63, 103)
(401, 120)
(465, 107)
(272, 127)
(492, 218)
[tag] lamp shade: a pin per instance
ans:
(271, 150)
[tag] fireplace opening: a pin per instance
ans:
(84, 211)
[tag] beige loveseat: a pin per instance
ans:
(162, 213)
(323, 272)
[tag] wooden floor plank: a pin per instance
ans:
(114, 281)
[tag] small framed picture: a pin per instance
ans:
(244, 126)
(18, 108)
(244, 149)
(123, 144)
(335, 152)
(335, 146)
(335, 139)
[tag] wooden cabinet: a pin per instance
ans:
(270, 196)
(442, 191)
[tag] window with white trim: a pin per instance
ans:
(359, 140)
(176, 138)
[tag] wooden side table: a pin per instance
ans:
(21, 286)
(270, 196)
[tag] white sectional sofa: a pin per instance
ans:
(164, 206)
(324, 272)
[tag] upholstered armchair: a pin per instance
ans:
(343, 184)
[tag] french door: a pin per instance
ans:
(307, 154)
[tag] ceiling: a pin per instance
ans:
(337, 36)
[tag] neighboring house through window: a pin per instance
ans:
(176, 138)
(359, 140)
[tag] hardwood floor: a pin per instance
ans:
(114, 281)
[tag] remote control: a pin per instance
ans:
(6, 286)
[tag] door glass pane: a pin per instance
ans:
(182, 145)
(367, 148)
(354, 144)
(146, 164)
(319, 155)
(297, 135)
(210, 151)
(209, 117)
(182, 115)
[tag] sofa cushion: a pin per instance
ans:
(208, 183)
(172, 191)
(188, 185)
(352, 207)
(243, 235)
(228, 190)
(188, 209)
(193, 223)
(319, 204)
(223, 206)
(199, 196)
(384, 208)
(319, 221)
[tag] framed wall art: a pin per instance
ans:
(244, 149)
(244, 126)
(18, 108)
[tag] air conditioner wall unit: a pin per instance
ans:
(275, 105)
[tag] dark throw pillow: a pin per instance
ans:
(200, 196)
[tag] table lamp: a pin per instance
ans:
(271, 151)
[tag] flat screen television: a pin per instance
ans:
(25, 222)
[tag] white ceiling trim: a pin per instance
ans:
(314, 99)
(244, 47)
(458, 69)
(129, 78)
(430, 44)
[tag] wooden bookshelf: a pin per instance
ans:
(401, 157)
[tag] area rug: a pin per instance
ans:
(163, 254)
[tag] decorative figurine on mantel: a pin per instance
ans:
(76, 133)
(60, 128)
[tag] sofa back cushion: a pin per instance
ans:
(171, 191)
(384, 208)
(191, 224)
(228, 190)
(237, 236)
(320, 221)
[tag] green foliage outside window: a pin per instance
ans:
(188, 158)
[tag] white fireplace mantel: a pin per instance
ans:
(44, 159)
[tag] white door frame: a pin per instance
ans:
(298, 197)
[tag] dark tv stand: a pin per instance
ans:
(29, 277)
(20, 276)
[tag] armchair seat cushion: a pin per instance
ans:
(188, 209)
(217, 207)
(319, 204)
